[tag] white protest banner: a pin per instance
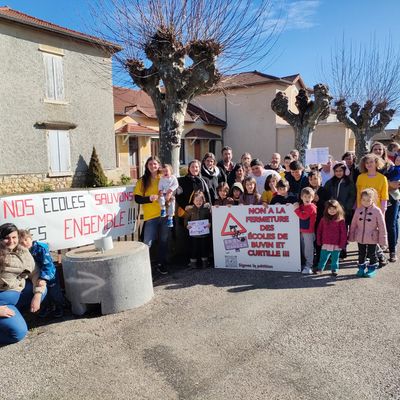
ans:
(256, 237)
(72, 218)
(317, 155)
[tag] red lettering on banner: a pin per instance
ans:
(83, 226)
(110, 198)
(18, 208)
(283, 236)
(264, 253)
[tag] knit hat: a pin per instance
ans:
(238, 185)
(343, 165)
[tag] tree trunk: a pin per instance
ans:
(302, 140)
(361, 144)
(171, 123)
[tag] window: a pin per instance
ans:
(53, 67)
(59, 152)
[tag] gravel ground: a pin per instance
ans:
(223, 334)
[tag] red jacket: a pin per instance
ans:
(307, 214)
(332, 232)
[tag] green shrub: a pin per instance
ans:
(125, 180)
(95, 176)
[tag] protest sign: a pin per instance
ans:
(256, 237)
(73, 218)
(317, 155)
(200, 227)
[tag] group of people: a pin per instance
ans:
(336, 202)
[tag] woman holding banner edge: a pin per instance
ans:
(155, 226)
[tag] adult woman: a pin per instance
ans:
(237, 175)
(212, 175)
(245, 160)
(350, 159)
(190, 183)
(19, 285)
(155, 226)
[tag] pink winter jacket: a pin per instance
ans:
(332, 232)
(368, 226)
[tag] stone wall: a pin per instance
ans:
(29, 183)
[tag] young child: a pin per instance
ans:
(320, 197)
(307, 213)
(282, 196)
(250, 195)
(236, 192)
(223, 199)
(166, 188)
(200, 210)
(368, 230)
(331, 236)
(41, 255)
(393, 175)
(269, 189)
(297, 178)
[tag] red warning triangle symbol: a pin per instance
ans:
(232, 226)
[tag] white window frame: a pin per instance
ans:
(59, 152)
(54, 78)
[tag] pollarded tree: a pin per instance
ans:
(365, 82)
(171, 49)
(365, 122)
(310, 112)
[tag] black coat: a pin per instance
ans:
(212, 179)
(189, 184)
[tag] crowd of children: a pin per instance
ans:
(330, 201)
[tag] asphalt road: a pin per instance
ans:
(224, 334)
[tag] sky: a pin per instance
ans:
(309, 33)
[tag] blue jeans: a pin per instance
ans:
(14, 329)
(157, 229)
(391, 219)
(334, 255)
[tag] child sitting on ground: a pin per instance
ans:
(282, 196)
(223, 199)
(331, 236)
(166, 188)
(200, 210)
(368, 230)
(307, 213)
(54, 301)
(250, 195)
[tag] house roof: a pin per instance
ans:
(8, 14)
(201, 134)
(253, 78)
(137, 128)
(127, 101)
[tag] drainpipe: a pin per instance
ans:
(226, 120)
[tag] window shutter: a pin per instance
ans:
(59, 151)
(48, 68)
(58, 78)
(54, 76)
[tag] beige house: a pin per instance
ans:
(244, 102)
(137, 136)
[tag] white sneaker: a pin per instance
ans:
(307, 271)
